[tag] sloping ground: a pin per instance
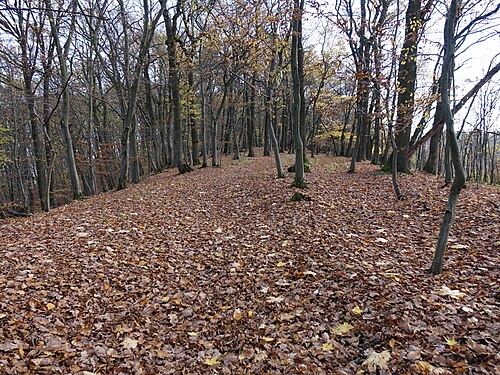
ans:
(218, 271)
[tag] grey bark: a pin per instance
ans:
(298, 6)
(459, 180)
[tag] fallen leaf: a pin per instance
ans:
(237, 315)
(267, 339)
(342, 328)
(8, 346)
(357, 310)
(447, 292)
(393, 276)
(50, 306)
(392, 343)
(326, 347)
(450, 342)
(459, 247)
(275, 299)
(129, 343)
(377, 361)
(212, 361)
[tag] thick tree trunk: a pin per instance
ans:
(407, 77)
(297, 125)
(179, 158)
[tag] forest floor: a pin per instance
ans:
(219, 272)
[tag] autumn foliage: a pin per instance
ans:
(219, 271)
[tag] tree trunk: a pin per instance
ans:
(63, 55)
(195, 140)
(179, 158)
(459, 181)
(250, 117)
(297, 125)
(407, 77)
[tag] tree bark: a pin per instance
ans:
(298, 7)
(407, 77)
(63, 55)
(459, 181)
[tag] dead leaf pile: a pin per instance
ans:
(218, 271)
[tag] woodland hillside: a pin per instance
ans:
(100, 94)
(218, 271)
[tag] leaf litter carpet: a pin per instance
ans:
(219, 272)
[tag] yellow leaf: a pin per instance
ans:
(21, 352)
(393, 276)
(50, 306)
(392, 343)
(142, 263)
(326, 347)
(342, 328)
(451, 342)
(237, 315)
(285, 317)
(357, 310)
(280, 264)
(267, 339)
(249, 313)
(192, 334)
(165, 299)
(212, 361)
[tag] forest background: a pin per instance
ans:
(218, 269)
(98, 94)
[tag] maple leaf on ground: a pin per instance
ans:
(357, 310)
(377, 361)
(342, 328)
(451, 342)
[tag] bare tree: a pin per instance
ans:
(459, 180)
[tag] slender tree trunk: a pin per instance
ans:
(459, 181)
(204, 162)
(36, 136)
(251, 118)
(195, 140)
(63, 55)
